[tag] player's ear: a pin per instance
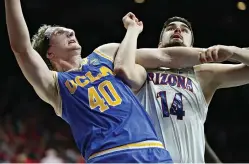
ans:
(50, 54)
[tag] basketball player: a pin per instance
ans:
(177, 99)
(107, 121)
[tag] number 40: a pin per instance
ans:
(176, 107)
(108, 97)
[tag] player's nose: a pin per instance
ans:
(177, 30)
(70, 33)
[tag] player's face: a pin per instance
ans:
(176, 34)
(62, 41)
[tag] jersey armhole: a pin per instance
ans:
(201, 98)
(98, 52)
(58, 100)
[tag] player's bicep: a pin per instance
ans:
(134, 79)
(139, 78)
(38, 75)
(231, 75)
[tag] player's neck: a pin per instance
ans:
(66, 65)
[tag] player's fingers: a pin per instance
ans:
(215, 54)
(131, 15)
(207, 54)
(210, 54)
(126, 16)
(140, 23)
(202, 57)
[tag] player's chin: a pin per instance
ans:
(74, 47)
(175, 43)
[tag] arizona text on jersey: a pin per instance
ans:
(177, 107)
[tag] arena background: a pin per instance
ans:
(29, 127)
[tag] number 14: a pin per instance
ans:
(176, 107)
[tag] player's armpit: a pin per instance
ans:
(51, 95)
(134, 79)
(55, 92)
(108, 50)
(38, 75)
(205, 75)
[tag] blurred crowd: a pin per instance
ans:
(36, 140)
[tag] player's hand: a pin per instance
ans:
(218, 53)
(131, 21)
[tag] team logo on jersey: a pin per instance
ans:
(94, 61)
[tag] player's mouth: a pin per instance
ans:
(71, 41)
(176, 36)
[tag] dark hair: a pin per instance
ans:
(40, 42)
(178, 19)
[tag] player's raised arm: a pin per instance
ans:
(174, 57)
(240, 54)
(30, 62)
(228, 75)
(124, 65)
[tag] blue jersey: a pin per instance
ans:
(101, 110)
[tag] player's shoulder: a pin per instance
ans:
(108, 50)
(108, 46)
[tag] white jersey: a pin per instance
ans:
(177, 107)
